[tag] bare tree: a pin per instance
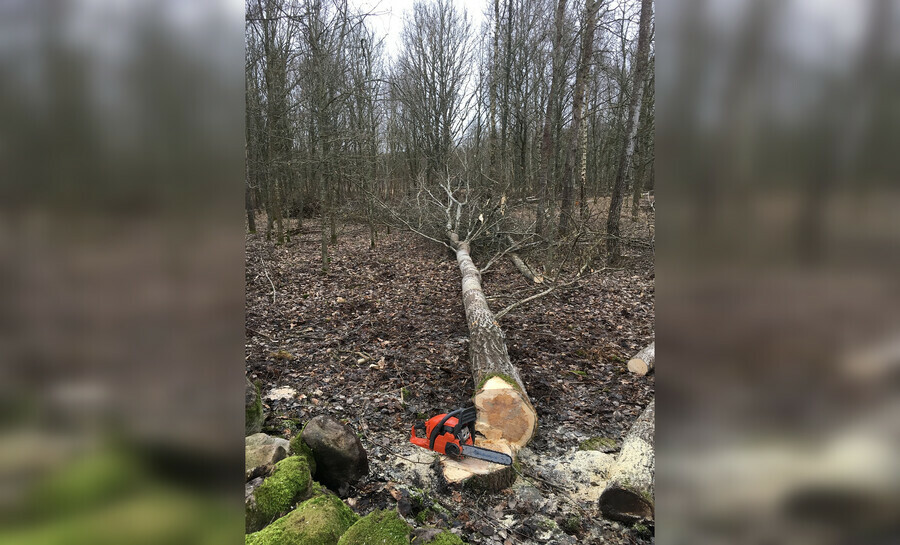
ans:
(641, 57)
(547, 148)
(581, 77)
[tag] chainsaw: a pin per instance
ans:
(453, 434)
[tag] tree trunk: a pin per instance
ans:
(506, 418)
(613, 246)
(547, 153)
(644, 361)
(628, 496)
(584, 64)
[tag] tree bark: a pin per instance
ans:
(547, 153)
(584, 64)
(644, 361)
(613, 245)
(628, 496)
(506, 418)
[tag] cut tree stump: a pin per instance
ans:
(644, 361)
(628, 496)
(506, 418)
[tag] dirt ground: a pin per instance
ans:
(381, 340)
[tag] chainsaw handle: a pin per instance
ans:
(419, 441)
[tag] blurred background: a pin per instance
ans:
(121, 342)
(778, 231)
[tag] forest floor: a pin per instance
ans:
(381, 341)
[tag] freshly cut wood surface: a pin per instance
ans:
(479, 472)
(644, 361)
(504, 414)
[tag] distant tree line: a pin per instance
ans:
(549, 104)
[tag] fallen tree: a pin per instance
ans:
(506, 418)
(628, 496)
(644, 361)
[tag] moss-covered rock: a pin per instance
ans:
(253, 409)
(378, 528)
(300, 448)
(443, 538)
(317, 521)
(289, 483)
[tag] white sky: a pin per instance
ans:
(387, 17)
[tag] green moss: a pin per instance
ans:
(642, 530)
(90, 480)
(378, 528)
(603, 444)
(571, 524)
(151, 515)
(317, 521)
(508, 379)
(253, 415)
(289, 483)
(443, 538)
(300, 448)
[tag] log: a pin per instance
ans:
(522, 267)
(506, 418)
(525, 269)
(644, 361)
(628, 496)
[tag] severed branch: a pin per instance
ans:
(266, 270)
(547, 291)
(522, 266)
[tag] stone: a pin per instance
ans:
(320, 520)
(289, 483)
(340, 457)
(378, 528)
(260, 439)
(258, 459)
(253, 409)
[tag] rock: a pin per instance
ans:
(321, 520)
(299, 448)
(250, 487)
(378, 528)
(253, 409)
(261, 451)
(289, 483)
(261, 439)
(340, 457)
(259, 460)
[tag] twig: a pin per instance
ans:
(547, 291)
(266, 270)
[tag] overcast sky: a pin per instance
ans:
(387, 17)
